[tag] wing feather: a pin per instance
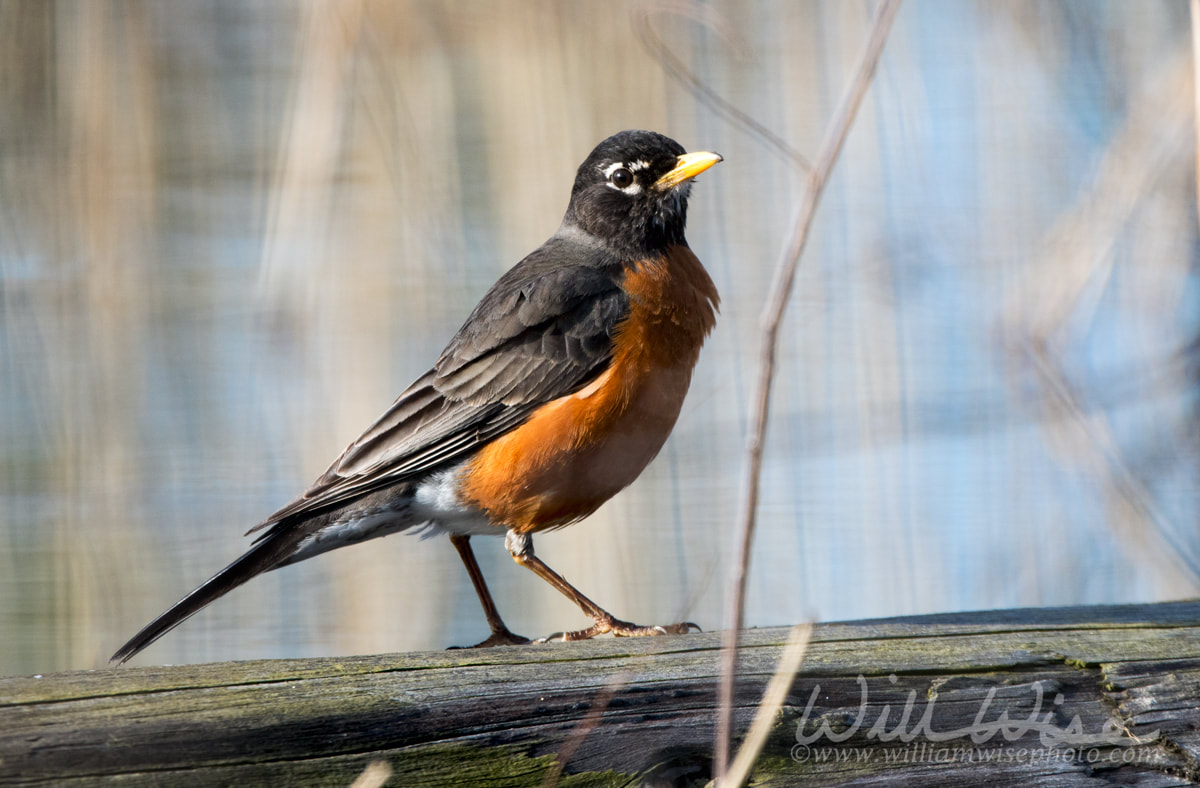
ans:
(542, 332)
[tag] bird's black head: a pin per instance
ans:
(631, 192)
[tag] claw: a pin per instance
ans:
(621, 629)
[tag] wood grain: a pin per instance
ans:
(500, 717)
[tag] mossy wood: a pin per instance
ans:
(1093, 696)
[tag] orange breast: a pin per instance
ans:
(578, 451)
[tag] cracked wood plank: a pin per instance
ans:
(1092, 696)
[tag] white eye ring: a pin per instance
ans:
(621, 178)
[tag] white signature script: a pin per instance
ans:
(979, 731)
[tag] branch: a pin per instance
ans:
(777, 300)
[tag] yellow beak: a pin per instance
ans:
(687, 166)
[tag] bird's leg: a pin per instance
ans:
(520, 546)
(501, 636)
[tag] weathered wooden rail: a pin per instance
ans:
(1093, 696)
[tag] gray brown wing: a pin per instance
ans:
(542, 332)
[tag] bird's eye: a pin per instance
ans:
(621, 177)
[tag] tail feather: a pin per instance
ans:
(268, 554)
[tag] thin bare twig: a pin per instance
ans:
(675, 67)
(777, 300)
(772, 701)
(585, 726)
(375, 775)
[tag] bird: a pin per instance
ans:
(555, 394)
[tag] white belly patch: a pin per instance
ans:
(437, 504)
(432, 510)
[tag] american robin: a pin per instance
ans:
(555, 394)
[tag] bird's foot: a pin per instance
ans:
(500, 638)
(621, 629)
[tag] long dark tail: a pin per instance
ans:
(271, 552)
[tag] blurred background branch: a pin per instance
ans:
(1045, 315)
